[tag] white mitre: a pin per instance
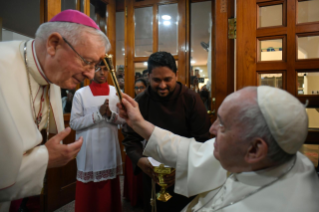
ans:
(286, 117)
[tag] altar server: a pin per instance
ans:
(94, 117)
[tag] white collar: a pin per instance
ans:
(264, 176)
(38, 64)
(34, 65)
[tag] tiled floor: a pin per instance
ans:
(125, 205)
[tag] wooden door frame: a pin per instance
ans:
(223, 53)
(246, 50)
(222, 49)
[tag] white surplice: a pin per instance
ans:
(100, 156)
(23, 162)
(199, 173)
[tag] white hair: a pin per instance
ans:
(254, 125)
(72, 32)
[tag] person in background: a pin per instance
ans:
(145, 75)
(94, 117)
(138, 75)
(140, 86)
(64, 53)
(134, 183)
(67, 101)
(120, 71)
(194, 85)
(204, 95)
(253, 163)
(197, 75)
(169, 104)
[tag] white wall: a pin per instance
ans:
(9, 36)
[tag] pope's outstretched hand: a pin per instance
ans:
(129, 110)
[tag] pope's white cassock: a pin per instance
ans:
(199, 173)
(23, 162)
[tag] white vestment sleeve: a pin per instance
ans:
(78, 120)
(115, 118)
(31, 174)
(197, 170)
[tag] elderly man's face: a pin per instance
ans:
(66, 69)
(229, 150)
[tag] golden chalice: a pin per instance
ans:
(161, 170)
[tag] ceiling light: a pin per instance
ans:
(167, 23)
(145, 63)
(193, 61)
(166, 17)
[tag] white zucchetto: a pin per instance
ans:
(285, 116)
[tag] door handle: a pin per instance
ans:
(209, 112)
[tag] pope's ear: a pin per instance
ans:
(256, 151)
(53, 41)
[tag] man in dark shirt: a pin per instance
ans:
(170, 105)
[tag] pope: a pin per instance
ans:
(252, 164)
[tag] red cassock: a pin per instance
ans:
(133, 184)
(101, 196)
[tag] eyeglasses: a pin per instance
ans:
(91, 65)
(141, 87)
(99, 68)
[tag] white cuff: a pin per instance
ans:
(113, 117)
(97, 117)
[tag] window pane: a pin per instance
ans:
(98, 12)
(168, 28)
(308, 11)
(200, 73)
(270, 50)
(143, 18)
(313, 116)
(120, 49)
(92, 12)
(308, 83)
(274, 80)
(270, 16)
(308, 47)
(8, 35)
(68, 4)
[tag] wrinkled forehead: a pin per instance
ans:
(233, 104)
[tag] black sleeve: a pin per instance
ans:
(133, 146)
(199, 121)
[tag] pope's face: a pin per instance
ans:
(162, 80)
(66, 69)
(228, 148)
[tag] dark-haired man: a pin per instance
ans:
(172, 106)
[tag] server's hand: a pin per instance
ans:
(147, 168)
(105, 109)
(60, 154)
